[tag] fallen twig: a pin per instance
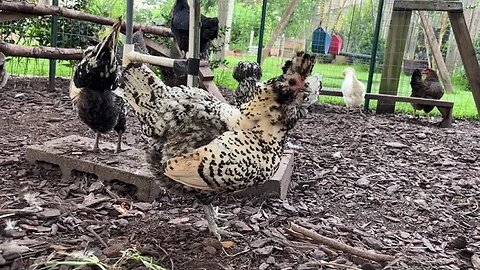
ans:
(341, 246)
(92, 231)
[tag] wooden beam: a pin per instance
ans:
(392, 66)
(425, 101)
(13, 16)
(40, 52)
(402, 5)
(41, 10)
(437, 54)
(467, 53)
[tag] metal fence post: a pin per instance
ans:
(53, 62)
(262, 31)
(373, 59)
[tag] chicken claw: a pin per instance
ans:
(213, 227)
(95, 148)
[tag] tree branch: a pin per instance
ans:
(341, 246)
(41, 10)
(40, 52)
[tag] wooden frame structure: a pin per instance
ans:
(397, 38)
(445, 107)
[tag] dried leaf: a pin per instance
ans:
(227, 244)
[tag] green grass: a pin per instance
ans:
(332, 78)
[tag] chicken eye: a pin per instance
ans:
(292, 82)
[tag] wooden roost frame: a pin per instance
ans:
(397, 39)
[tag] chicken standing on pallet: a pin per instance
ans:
(3, 71)
(92, 89)
(247, 74)
(430, 87)
(205, 148)
(180, 28)
(353, 90)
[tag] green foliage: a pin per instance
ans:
(246, 19)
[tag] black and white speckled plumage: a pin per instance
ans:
(92, 88)
(3, 71)
(247, 74)
(313, 85)
(206, 147)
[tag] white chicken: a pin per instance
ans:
(353, 90)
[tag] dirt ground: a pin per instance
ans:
(390, 184)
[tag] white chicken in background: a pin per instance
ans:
(353, 90)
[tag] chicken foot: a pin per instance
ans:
(213, 227)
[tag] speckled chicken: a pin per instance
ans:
(430, 87)
(92, 89)
(206, 148)
(3, 71)
(247, 74)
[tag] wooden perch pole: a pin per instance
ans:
(341, 246)
(437, 54)
(41, 10)
(40, 52)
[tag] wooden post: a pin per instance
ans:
(467, 53)
(437, 54)
(392, 66)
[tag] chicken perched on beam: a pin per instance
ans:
(430, 87)
(92, 89)
(204, 148)
(180, 28)
(247, 74)
(3, 71)
(353, 90)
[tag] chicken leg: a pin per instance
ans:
(119, 143)
(95, 145)
(212, 224)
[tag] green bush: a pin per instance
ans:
(459, 78)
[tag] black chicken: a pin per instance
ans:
(92, 89)
(138, 45)
(247, 74)
(430, 87)
(3, 71)
(180, 27)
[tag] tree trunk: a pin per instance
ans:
(225, 16)
(336, 25)
(437, 54)
(472, 16)
(443, 28)
(279, 28)
(41, 10)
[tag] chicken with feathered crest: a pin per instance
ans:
(209, 149)
(92, 89)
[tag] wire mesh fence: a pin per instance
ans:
(340, 33)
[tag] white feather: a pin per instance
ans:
(313, 85)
